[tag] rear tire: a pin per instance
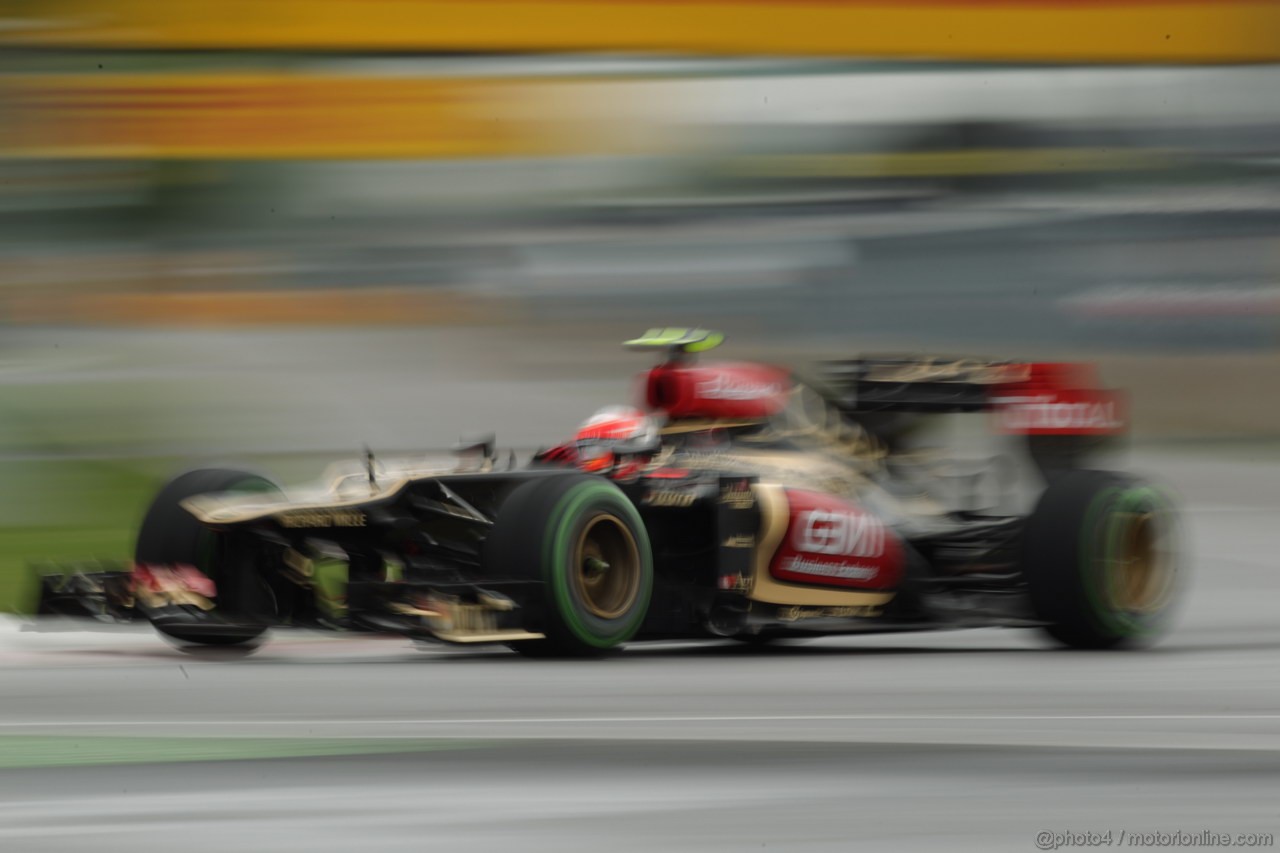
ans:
(1100, 559)
(582, 538)
(171, 535)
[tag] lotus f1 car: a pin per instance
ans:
(757, 506)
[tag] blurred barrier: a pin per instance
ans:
(327, 115)
(985, 161)
(357, 307)
(1056, 30)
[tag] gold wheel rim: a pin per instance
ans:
(606, 567)
(1141, 572)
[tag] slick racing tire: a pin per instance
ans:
(583, 540)
(1100, 559)
(171, 535)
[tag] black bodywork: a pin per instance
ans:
(427, 541)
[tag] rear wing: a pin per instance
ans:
(914, 384)
(1027, 398)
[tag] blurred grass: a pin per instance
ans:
(107, 416)
(85, 509)
(65, 509)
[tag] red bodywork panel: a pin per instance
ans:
(834, 542)
(730, 390)
(1059, 399)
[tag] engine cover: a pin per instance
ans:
(726, 390)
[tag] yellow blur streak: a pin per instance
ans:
(266, 116)
(365, 307)
(1083, 31)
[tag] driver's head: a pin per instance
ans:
(605, 430)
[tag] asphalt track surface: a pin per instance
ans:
(974, 740)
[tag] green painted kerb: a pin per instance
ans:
(25, 751)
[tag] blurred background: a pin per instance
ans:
(271, 232)
(279, 230)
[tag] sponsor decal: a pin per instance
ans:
(846, 532)
(670, 499)
(727, 390)
(1061, 413)
(733, 582)
(322, 518)
(833, 542)
(737, 495)
(796, 614)
(742, 540)
(847, 571)
(724, 386)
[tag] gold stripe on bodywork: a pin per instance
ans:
(494, 637)
(214, 509)
(703, 424)
(775, 515)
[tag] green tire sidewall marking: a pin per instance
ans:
(1092, 565)
(1095, 568)
(556, 569)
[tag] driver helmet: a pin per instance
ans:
(606, 429)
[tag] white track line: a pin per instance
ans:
(302, 722)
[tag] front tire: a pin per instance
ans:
(170, 535)
(582, 538)
(1100, 560)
